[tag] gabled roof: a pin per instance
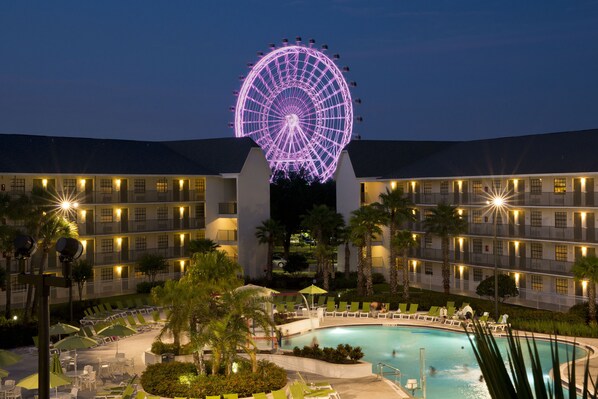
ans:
(55, 155)
(552, 153)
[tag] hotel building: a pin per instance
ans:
(137, 197)
(550, 219)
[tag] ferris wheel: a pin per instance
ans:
(296, 105)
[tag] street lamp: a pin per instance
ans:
(497, 204)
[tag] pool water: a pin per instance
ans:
(452, 371)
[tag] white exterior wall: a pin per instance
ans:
(347, 200)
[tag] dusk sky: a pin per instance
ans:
(426, 70)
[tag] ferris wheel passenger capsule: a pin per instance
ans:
(241, 78)
(260, 54)
(359, 119)
(336, 57)
(353, 83)
(298, 40)
(324, 47)
(272, 46)
(357, 101)
(345, 69)
(285, 42)
(249, 65)
(231, 109)
(230, 124)
(311, 42)
(236, 93)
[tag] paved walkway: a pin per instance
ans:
(358, 388)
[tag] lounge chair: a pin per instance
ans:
(260, 395)
(353, 310)
(501, 325)
(450, 304)
(402, 310)
(341, 310)
(291, 309)
(213, 397)
(412, 312)
(330, 308)
(280, 394)
(432, 314)
(231, 396)
(365, 310)
(384, 314)
(321, 301)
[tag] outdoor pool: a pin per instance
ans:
(455, 373)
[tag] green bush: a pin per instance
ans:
(15, 334)
(181, 380)
(343, 354)
(159, 348)
(145, 287)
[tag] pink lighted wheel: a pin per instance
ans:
(296, 105)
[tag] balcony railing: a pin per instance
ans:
(110, 258)
(224, 236)
(130, 196)
(137, 226)
(227, 208)
(518, 199)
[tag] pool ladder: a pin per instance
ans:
(385, 370)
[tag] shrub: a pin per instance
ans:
(159, 348)
(296, 263)
(343, 354)
(15, 334)
(145, 287)
(181, 380)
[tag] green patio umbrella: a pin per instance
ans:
(8, 358)
(117, 330)
(55, 366)
(75, 342)
(313, 290)
(32, 381)
(3, 373)
(62, 329)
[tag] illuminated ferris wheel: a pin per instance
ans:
(296, 105)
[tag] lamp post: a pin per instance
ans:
(69, 249)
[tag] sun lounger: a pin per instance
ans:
(353, 310)
(365, 310)
(341, 310)
(402, 310)
(330, 308)
(411, 313)
(432, 314)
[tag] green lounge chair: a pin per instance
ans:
(353, 310)
(341, 310)
(260, 395)
(365, 310)
(141, 395)
(296, 390)
(330, 308)
(213, 397)
(131, 321)
(291, 309)
(412, 312)
(384, 314)
(450, 304)
(402, 310)
(231, 396)
(432, 314)
(119, 305)
(280, 394)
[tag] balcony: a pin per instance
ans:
(110, 258)
(227, 208)
(139, 226)
(130, 196)
(226, 236)
(519, 199)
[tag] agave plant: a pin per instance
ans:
(513, 382)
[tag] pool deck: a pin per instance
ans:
(356, 388)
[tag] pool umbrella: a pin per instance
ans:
(3, 373)
(116, 330)
(32, 381)
(75, 342)
(7, 358)
(313, 290)
(62, 329)
(55, 366)
(265, 291)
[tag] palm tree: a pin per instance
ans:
(586, 268)
(444, 221)
(270, 232)
(202, 245)
(345, 239)
(398, 210)
(402, 242)
(7, 237)
(324, 225)
(365, 223)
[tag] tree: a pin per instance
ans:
(345, 239)
(7, 237)
(507, 288)
(402, 242)
(586, 268)
(365, 225)
(296, 263)
(444, 222)
(398, 210)
(270, 232)
(151, 265)
(325, 226)
(202, 245)
(81, 271)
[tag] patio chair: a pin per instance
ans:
(290, 310)
(321, 301)
(279, 394)
(341, 310)
(231, 396)
(261, 395)
(141, 395)
(383, 314)
(450, 304)
(501, 325)
(119, 305)
(412, 312)
(213, 397)
(365, 310)
(296, 390)
(132, 321)
(330, 308)
(353, 310)
(402, 310)
(432, 314)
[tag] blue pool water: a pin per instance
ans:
(456, 372)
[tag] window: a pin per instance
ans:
(140, 244)
(162, 213)
(200, 211)
(561, 286)
(138, 272)
(560, 219)
(106, 215)
(200, 185)
(427, 241)
(69, 185)
(17, 185)
(498, 218)
(107, 274)
(496, 184)
(427, 187)
(477, 245)
(200, 235)
(428, 269)
(536, 282)
(536, 250)
(536, 218)
(499, 247)
(106, 186)
(535, 186)
(444, 187)
(478, 275)
(163, 241)
(560, 253)
(107, 245)
(476, 216)
(139, 186)
(476, 186)
(162, 185)
(560, 185)
(140, 214)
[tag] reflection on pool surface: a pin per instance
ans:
(452, 371)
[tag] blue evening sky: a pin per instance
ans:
(428, 70)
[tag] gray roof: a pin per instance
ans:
(551, 153)
(68, 155)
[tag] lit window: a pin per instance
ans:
(106, 186)
(162, 185)
(560, 185)
(476, 216)
(200, 185)
(106, 215)
(69, 185)
(107, 274)
(560, 253)
(537, 282)
(476, 186)
(444, 187)
(536, 218)
(535, 186)
(536, 250)
(561, 286)
(107, 245)
(496, 184)
(139, 186)
(427, 187)
(560, 219)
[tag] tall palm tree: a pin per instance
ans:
(586, 268)
(402, 242)
(345, 240)
(324, 225)
(202, 245)
(444, 222)
(398, 210)
(7, 237)
(365, 224)
(270, 232)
